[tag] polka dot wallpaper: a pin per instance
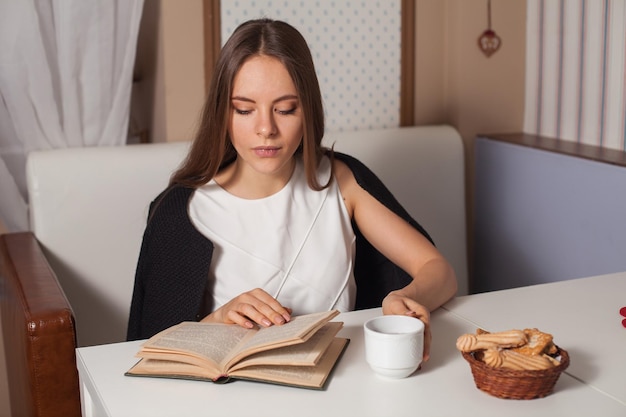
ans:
(356, 47)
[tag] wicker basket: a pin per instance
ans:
(518, 385)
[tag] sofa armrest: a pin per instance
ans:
(38, 331)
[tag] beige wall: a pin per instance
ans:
(182, 56)
(169, 91)
(485, 94)
(455, 82)
(430, 53)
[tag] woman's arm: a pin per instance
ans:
(434, 281)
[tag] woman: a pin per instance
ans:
(261, 222)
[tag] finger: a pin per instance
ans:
(261, 308)
(270, 307)
(234, 317)
(242, 311)
(427, 342)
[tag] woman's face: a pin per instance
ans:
(266, 121)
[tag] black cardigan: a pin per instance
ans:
(173, 267)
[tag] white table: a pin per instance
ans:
(443, 387)
(581, 314)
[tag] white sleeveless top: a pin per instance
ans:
(297, 244)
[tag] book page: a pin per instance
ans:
(208, 341)
(298, 330)
(302, 354)
(183, 358)
(171, 369)
(298, 376)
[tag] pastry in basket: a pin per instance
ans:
(509, 358)
(485, 340)
(538, 343)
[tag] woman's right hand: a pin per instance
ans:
(255, 306)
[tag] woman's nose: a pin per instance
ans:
(266, 127)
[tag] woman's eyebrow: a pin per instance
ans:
(281, 98)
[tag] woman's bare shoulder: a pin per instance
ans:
(347, 184)
(343, 173)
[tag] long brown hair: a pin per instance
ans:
(212, 149)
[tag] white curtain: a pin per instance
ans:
(66, 69)
(576, 71)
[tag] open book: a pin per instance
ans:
(300, 353)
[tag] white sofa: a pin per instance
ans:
(88, 209)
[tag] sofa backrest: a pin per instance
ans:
(88, 209)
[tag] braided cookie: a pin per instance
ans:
(483, 340)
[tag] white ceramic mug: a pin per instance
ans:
(394, 345)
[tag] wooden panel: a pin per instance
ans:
(407, 68)
(565, 147)
(212, 41)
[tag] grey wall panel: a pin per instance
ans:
(542, 216)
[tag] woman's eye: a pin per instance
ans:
(286, 112)
(242, 112)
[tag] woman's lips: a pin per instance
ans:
(266, 151)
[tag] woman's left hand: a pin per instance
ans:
(396, 303)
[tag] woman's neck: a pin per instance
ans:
(241, 181)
